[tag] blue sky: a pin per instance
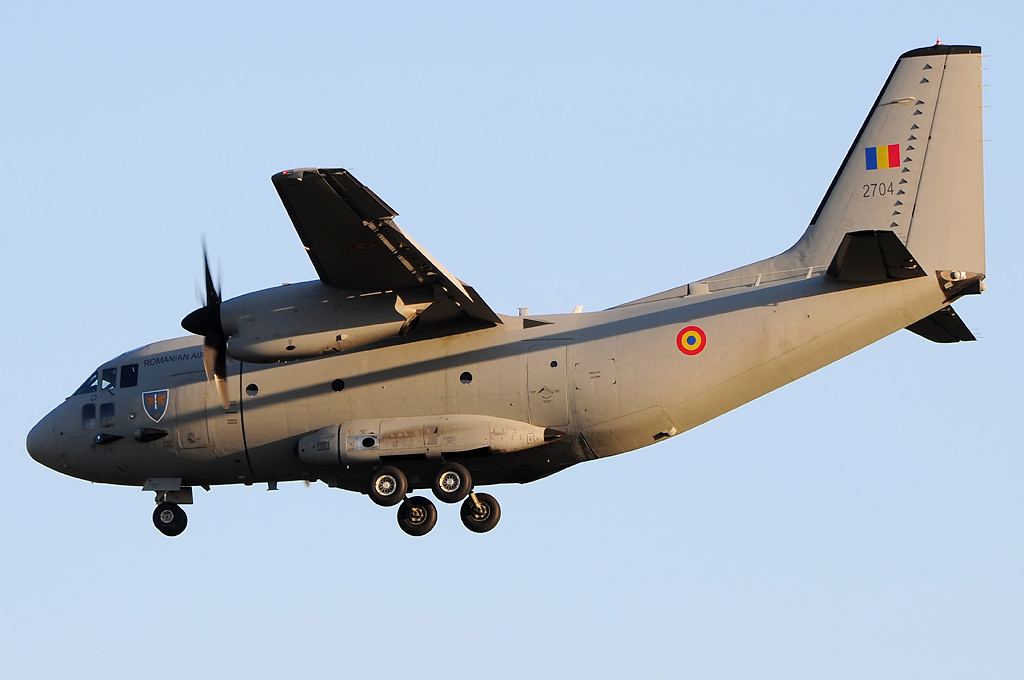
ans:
(864, 521)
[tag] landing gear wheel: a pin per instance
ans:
(452, 483)
(388, 486)
(482, 515)
(170, 519)
(417, 516)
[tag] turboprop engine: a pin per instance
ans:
(304, 320)
(375, 439)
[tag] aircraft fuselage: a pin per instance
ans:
(612, 381)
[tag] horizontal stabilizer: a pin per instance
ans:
(944, 325)
(873, 257)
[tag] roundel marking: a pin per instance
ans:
(365, 245)
(691, 340)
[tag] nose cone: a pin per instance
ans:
(42, 444)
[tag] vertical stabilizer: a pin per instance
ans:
(915, 169)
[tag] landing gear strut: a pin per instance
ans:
(170, 519)
(480, 512)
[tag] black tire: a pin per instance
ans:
(170, 519)
(388, 486)
(483, 517)
(452, 482)
(417, 516)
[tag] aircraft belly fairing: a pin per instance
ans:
(389, 374)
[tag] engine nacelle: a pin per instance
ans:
(310, 319)
(373, 440)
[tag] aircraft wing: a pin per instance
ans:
(354, 243)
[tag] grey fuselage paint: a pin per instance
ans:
(613, 381)
(610, 381)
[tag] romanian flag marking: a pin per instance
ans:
(882, 157)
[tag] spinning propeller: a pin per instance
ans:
(206, 322)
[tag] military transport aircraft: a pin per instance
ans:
(389, 374)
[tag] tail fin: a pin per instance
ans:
(915, 169)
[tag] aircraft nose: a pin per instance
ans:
(42, 444)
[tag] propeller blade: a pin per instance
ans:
(212, 294)
(206, 321)
(215, 362)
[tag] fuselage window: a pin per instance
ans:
(108, 379)
(129, 375)
(89, 417)
(89, 385)
(106, 415)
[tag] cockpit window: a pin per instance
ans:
(106, 415)
(89, 416)
(108, 379)
(89, 385)
(130, 375)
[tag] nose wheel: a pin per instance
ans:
(170, 519)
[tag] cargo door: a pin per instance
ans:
(546, 380)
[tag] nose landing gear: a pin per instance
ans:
(170, 519)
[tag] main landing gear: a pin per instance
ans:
(417, 516)
(452, 483)
(388, 486)
(480, 512)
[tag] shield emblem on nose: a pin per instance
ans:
(155, 404)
